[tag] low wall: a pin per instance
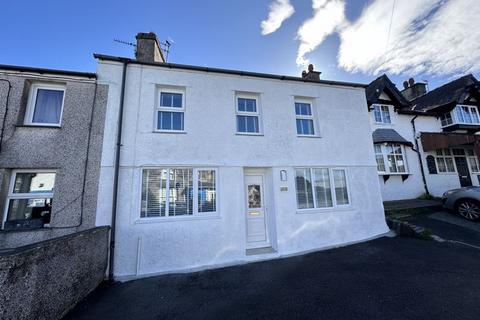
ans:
(46, 279)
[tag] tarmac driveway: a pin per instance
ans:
(387, 278)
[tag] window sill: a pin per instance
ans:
(249, 134)
(308, 136)
(327, 210)
(38, 126)
(170, 131)
(395, 174)
(177, 218)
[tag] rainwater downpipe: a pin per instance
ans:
(116, 171)
(419, 155)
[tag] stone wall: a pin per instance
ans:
(46, 279)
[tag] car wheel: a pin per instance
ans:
(469, 209)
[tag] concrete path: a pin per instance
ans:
(387, 278)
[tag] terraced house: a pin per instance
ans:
(204, 167)
(425, 141)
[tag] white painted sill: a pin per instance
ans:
(394, 174)
(249, 134)
(326, 210)
(308, 136)
(177, 218)
(170, 131)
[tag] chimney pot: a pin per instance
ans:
(411, 81)
(405, 84)
(310, 67)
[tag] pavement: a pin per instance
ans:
(386, 278)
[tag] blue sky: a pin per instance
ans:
(227, 34)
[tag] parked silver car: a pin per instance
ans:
(464, 201)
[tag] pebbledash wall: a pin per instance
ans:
(158, 245)
(61, 149)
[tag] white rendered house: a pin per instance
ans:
(219, 167)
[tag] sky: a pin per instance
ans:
(347, 40)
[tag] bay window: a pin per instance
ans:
(390, 158)
(321, 188)
(461, 114)
(168, 192)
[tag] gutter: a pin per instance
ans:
(229, 71)
(419, 155)
(48, 71)
(117, 170)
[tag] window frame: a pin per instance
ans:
(258, 113)
(195, 214)
(12, 195)
(158, 108)
(385, 155)
(333, 194)
(473, 113)
(443, 156)
(32, 100)
(312, 117)
(382, 122)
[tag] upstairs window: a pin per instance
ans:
(381, 113)
(248, 115)
(445, 161)
(304, 119)
(461, 115)
(390, 158)
(45, 105)
(29, 201)
(168, 192)
(171, 111)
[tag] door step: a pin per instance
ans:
(251, 252)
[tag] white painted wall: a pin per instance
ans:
(172, 244)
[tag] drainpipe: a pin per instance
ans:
(117, 170)
(419, 155)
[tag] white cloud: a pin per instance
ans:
(328, 16)
(437, 37)
(280, 10)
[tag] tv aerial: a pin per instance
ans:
(164, 46)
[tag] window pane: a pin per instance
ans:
(473, 164)
(466, 115)
(154, 192)
(392, 165)
(378, 148)
(380, 163)
(474, 113)
(459, 114)
(48, 106)
(385, 114)
(180, 192)
(254, 196)
(31, 182)
(168, 99)
(303, 109)
(470, 152)
(458, 152)
(441, 165)
(303, 182)
(323, 191)
(247, 105)
(447, 152)
(377, 114)
(439, 152)
(305, 126)
(26, 209)
(400, 163)
(247, 124)
(207, 192)
(450, 165)
(340, 182)
(177, 121)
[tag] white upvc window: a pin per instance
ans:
(390, 158)
(169, 192)
(30, 196)
(248, 114)
(170, 110)
(318, 188)
(45, 105)
(473, 161)
(305, 119)
(461, 114)
(381, 113)
(445, 161)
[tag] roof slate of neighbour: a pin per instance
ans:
(452, 93)
(389, 135)
(381, 84)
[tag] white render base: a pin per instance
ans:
(182, 244)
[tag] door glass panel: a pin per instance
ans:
(254, 196)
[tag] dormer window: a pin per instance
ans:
(381, 113)
(462, 114)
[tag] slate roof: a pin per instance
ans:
(449, 94)
(389, 135)
(383, 83)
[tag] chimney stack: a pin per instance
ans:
(148, 48)
(311, 74)
(412, 90)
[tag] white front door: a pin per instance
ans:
(257, 235)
